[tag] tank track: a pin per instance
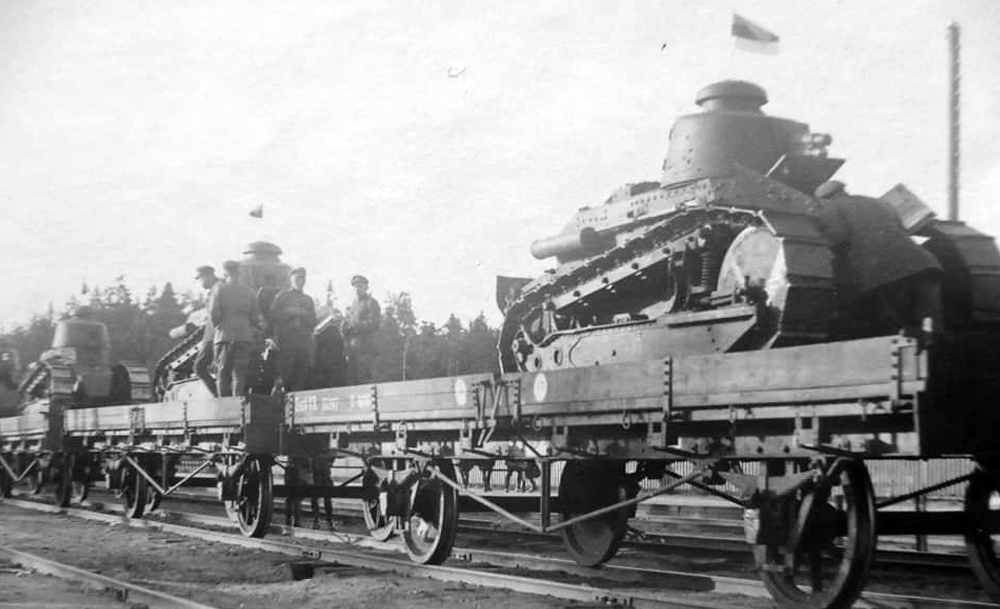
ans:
(177, 364)
(746, 199)
(48, 380)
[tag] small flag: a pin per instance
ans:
(257, 212)
(751, 37)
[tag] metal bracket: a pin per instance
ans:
(376, 423)
(560, 437)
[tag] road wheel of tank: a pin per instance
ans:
(433, 519)
(832, 543)
(379, 525)
(982, 539)
(590, 486)
(254, 496)
(132, 492)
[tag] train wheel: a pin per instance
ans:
(254, 496)
(832, 547)
(6, 482)
(153, 500)
(592, 486)
(433, 520)
(132, 492)
(231, 512)
(72, 486)
(982, 508)
(379, 525)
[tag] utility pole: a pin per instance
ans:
(954, 107)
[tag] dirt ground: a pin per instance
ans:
(219, 575)
(22, 588)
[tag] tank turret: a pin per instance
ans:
(732, 129)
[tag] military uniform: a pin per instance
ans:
(292, 318)
(329, 365)
(206, 353)
(885, 282)
(359, 327)
(236, 318)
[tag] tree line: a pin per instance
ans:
(139, 331)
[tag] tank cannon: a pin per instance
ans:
(728, 251)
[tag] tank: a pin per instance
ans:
(262, 270)
(78, 368)
(730, 250)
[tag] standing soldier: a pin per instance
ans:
(206, 354)
(359, 327)
(292, 318)
(235, 315)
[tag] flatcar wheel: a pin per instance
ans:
(230, 504)
(71, 488)
(832, 547)
(592, 486)
(433, 521)
(132, 492)
(982, 540)
(6, 482)
(254, 495)
(380, 527)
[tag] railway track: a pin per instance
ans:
(122, 591)
(643, 587)
(659, 534)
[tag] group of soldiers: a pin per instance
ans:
(278, 331)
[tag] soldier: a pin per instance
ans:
(358, 328)
(206, 353)
(292, 318)
(236, 318)
(885, 282)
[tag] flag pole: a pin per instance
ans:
(954, 126)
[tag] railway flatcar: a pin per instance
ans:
(713, 318)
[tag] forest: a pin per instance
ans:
(139, 329)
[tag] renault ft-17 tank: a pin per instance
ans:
(78, 368)
(263, 271)
(730, 250)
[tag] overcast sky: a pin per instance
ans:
(135, 135)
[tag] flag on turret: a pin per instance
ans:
(751, 37)
(257, 212)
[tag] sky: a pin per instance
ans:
(427, 144)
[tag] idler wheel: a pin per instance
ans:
(254, 495)
(433, 519)
(982, 539)
(586, 486)
(827, 557)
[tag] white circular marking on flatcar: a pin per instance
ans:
(461, 392)
(540, 388)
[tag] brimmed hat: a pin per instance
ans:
(359, 279)
(204, 270)
(297, 271)
(231, 266)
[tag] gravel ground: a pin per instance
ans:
(226, 576)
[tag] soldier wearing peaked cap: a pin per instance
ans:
(359, 327)
(206, 352)
(292, 317)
